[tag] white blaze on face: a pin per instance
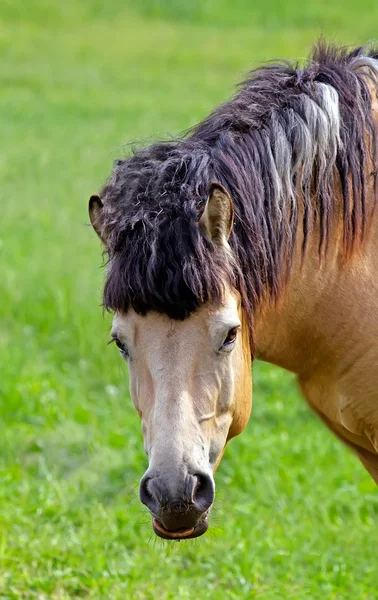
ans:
(182, 382)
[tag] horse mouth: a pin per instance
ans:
(180, 534)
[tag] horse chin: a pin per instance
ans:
(180, 534)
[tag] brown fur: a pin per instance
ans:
(314, 300)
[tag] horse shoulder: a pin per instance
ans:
(349, 411)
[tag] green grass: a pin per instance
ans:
(296, 516)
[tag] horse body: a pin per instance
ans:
(256, 235)
(325, 329)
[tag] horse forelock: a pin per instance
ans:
(280, 142)
(158, 257)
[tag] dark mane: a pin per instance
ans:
(281, 140)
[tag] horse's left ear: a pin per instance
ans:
(218, 216)
(95, 209)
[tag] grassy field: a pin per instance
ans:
(296, 516)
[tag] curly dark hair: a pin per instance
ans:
(279, 147)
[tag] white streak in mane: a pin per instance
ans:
(366, 64)
(311, 133)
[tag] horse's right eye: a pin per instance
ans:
(119, 344)
(122, 348)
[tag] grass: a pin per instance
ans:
(296, 515)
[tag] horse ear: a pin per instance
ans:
(95, 209)
(218, 216)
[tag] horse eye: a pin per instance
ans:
(119, 344)
(231, 336)
(123, 350)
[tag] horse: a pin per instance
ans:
(254, 235)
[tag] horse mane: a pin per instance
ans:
(287, 137)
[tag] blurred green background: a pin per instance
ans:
(296, 515)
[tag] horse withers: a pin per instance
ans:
(253, 236)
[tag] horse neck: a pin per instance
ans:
(328, 312)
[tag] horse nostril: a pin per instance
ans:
(203, 495)
(146, 494)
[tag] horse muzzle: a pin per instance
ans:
(179, 506)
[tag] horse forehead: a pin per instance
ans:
(204, 322)
(158, 327)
